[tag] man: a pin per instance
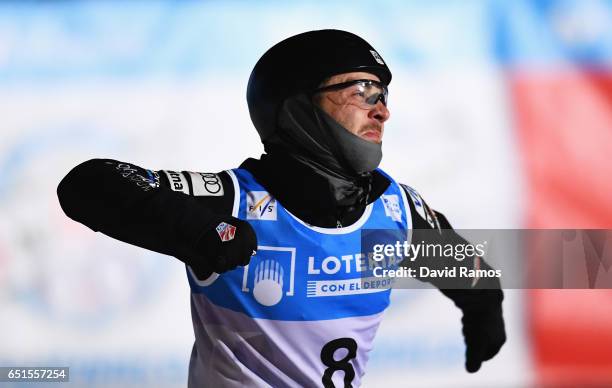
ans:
(269, 245)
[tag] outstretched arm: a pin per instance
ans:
(174, 213)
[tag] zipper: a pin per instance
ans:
(338, 224)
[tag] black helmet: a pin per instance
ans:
(299, 64)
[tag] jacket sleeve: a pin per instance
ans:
(479, 299)
(163, 211)
(433, 227)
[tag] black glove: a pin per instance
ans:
(483, 325)
(230, 242)
(484, 332)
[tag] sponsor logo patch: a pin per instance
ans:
(226, 231)
(420, 207)
(153, 178)
(377, 57)
(392, 207)
(261, 206)
(206, 184)
(177, 181)
(133, 174)
(270, 275)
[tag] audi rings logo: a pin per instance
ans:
(205, 183)
(212, 184)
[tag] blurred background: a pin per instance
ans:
(501, 117)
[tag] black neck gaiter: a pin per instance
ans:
(311, 137)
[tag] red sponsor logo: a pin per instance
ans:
(226, 231)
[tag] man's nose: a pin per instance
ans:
(380, 112)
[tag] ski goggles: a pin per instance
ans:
(364, 93)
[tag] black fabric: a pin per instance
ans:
(223, 256)
(109, 196)
(484, 331)
(315, 139)
(362, 156)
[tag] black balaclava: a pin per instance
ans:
(310, 136)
